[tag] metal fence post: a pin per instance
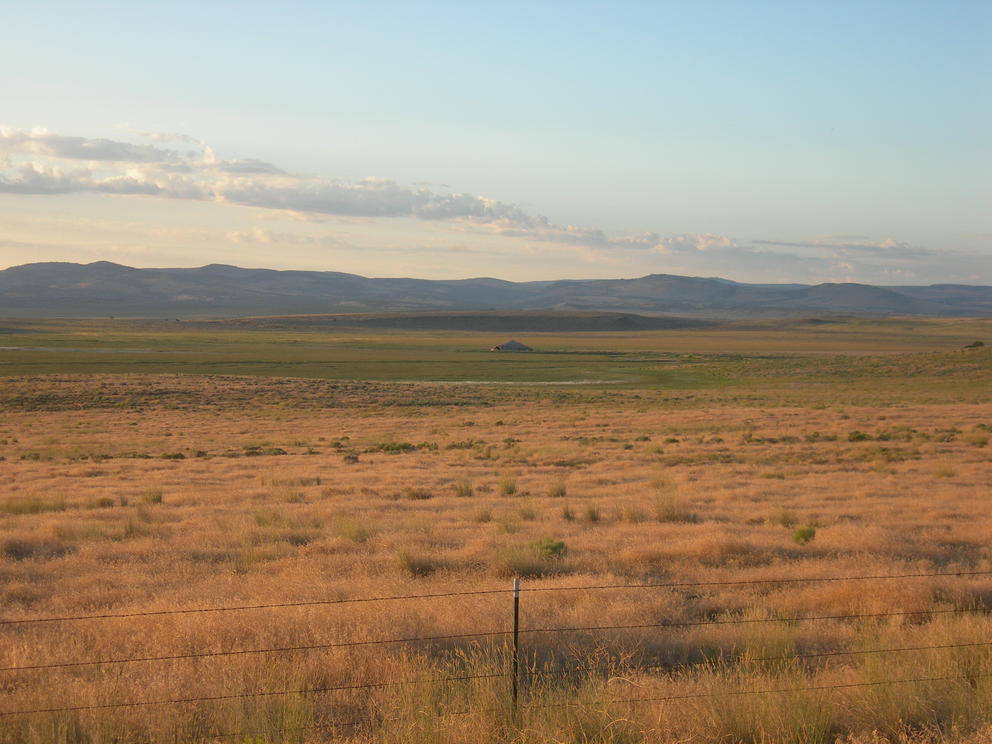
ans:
(515, 672)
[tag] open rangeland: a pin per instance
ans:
(694, 526)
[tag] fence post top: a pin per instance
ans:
(516, 587)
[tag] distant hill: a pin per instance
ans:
(105, 289)
(518, 321)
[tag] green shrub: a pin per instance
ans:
(804, 534)
(419, 565)
(539, 558)
(550, 549)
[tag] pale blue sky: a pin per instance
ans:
(849, 130)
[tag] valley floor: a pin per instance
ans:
(713, 527)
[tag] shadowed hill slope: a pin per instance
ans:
(104, 288)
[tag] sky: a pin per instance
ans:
(787, 141)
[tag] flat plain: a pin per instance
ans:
(694, 515)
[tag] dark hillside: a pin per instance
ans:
(103, 289)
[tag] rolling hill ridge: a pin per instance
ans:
(216, 290)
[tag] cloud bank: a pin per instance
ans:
(178, 166)
(39, 162)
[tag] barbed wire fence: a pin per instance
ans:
(516, 674)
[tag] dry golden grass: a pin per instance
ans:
(164, 506)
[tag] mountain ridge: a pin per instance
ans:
(102, 288)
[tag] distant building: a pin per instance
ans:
(511, 346)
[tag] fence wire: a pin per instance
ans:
(478, 592)
(506, 635)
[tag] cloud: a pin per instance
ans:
(145, 170)
(542, 231)
(169, 137)
(250, 166)
(126, 168)
(255, 235)
(40, 179)
(855, 245)
(36, 178)
(696, 242)
(178, 166)
(25, 244)
(43, 142)
(367, 198)
(262, 236)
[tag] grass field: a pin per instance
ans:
(151, 467)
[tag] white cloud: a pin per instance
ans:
(37, 178)
(700, 242)
(43, 142)
(857, 245)
(262, 236)
(39, 162)
(255, 235)
(249, 166)
(125, 168)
